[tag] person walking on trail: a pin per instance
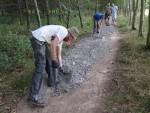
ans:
(47, 43)
(114, 13)
(97, 19)
(108, 13)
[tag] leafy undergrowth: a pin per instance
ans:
(122, 23)
(130, 86)
(13, 85)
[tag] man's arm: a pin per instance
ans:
(100, 23)
(59, 56)
(53, 46)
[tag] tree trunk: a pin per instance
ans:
(96, 6)
(125, 8)
(121, 8)
(141, 19)
(38, 13)
(20, 12)
(3, 11)
(148, 34)
(68, 19)
(135, 7)
(47, 11)
(27, 14)
(60, 12)
(130, 12)
(81, 23)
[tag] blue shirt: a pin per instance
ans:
(98, 16)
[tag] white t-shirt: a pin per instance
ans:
(114, 11)
(46, 32)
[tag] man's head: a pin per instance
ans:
(73, 33)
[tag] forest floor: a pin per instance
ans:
(91, 61)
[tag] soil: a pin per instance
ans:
(90, 60)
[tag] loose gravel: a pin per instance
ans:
(86, 52)
(83, 55)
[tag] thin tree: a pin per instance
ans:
(148, 34)
(47, 11)
(38, 13)
(125, 7)
(20, 11)
(78, 6)
(27, 14)
(135, 7)
(68, 10)
(141, 19)
(68, 18)
(96, 6)
(59, 11)
(130, 12)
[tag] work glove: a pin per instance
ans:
(64, 70)
(60, 69)
(55, 64)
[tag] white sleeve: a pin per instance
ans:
(62, 33)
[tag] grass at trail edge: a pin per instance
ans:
(130, 84)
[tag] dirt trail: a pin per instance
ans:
(88, 98)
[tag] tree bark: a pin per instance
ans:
(20, 12)
(125, 8)
(148, 34)
(81, 23)
(47, 11)
(59, 12)
(141, 19)
(96, 6)
(130, 12)
(38, 13)
(68, 19)
(135, 7)
(27, 14)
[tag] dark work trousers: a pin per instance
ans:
(42, 63)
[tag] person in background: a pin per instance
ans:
(97, 20)
(108, 13)
(47, 43)
(114, 13)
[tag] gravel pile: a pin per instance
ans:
(86, 52)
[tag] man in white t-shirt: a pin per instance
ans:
(47, 43)
(114, 13)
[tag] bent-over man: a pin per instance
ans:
(97, 19)
(47, 43)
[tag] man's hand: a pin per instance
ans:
(55, 64)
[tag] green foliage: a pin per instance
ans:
(147, 104)
(87, 24)
(13, 50)
(130, 92)
(118, 2)
(120, 97)
(8, 19)
(122, 23)
(22, 82)
(4, 61)
(145, 28)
